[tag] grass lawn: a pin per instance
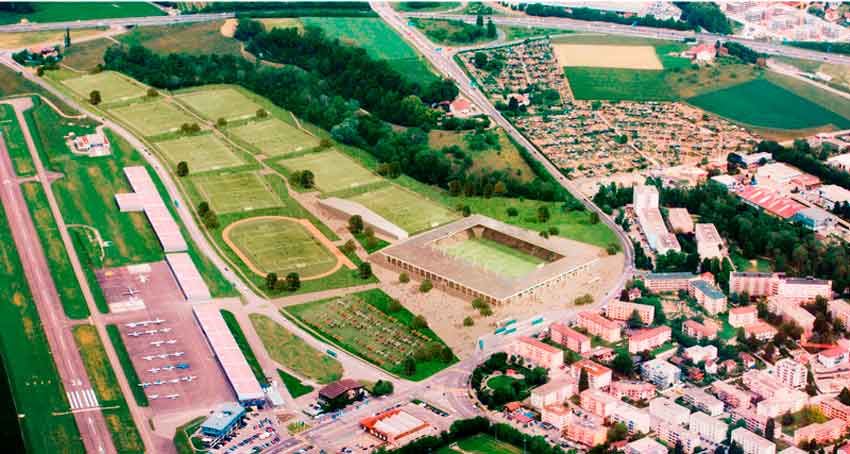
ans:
(481, 444)
(13, 84)
(58, 12)
(197, 38)
(293, 385)
(271, 23)
(112, 86)
(814, 94)
(14, 140)
(17, 40)
(514, 33)
(202, 152)
(808, 415)
(363, 324)
(233, 192)
(73, 301)
(501, 381)
(494, 257)
(273, 137)
(295, 354)
(619, 84)
(333, 170)
(152, 117)
(244, 346)
(181, 436)
(127, 365)
(443, 31)
(727, 331)
(120, 423)
(404, 208)
(215, 103)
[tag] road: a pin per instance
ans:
(121, 22)
(69, 365)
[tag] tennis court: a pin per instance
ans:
(153, 117)
(333, 170)
(405, 209)
(201, 152)
(216, 103)
(229, 193)
(494, 257)
(274, 137)
(111, 86)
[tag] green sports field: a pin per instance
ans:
(152, 117)
(112, 87)
(494, 257)
(215, 103)
(333, 170)
(230, 193)
(201, 152)
(405, 209)
(764, 104)
(274, 137)
(281, 246)
(481, 444)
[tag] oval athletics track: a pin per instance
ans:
(341, 259)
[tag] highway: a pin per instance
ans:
(121, 22)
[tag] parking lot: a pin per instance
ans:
(257, 433)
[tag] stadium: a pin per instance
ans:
(479, 257)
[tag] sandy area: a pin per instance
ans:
(607, 56)
(228, 28)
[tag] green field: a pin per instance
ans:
(292, 352)
(481, 444)
(152, 117)
(363, 324)
(197, 38)
(333, 171)
(215, 103)
(14, 140)
(60, 12)
(273, 137)
(34, 382)
(234, 192)
(127, 365)
(244, 346)
(202, 152)
(619, 84)
(293, 385)
(281, 246)
(762, 103)
(112, 86)
(494, 257)
(120, 423)
(404, 208)
(67, 286)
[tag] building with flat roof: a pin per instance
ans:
(145, 197)
(648, 339)
(665, 409)
(564, 335)
(645, 445)
(699, 330)
(833, 409)
(635, 419)
(395, 427)
(731, 395)
(815, 219)
(555, 391)
(634, 390)
(535, 352)
(791, 311)
(669, 282)
(760, 330)
(557, 415)
(789, 401)
(585, 430)
(188, 278)
(790, 373)
(754, 422)
(840, 310)
(645, 203)
(223, 420)
(832, 357)
(709, 428)
(740, 317)
(425, 255)
(803, 289)
(752, 443)
(680, 220)
(673, 434)
(700, 353)
(754, 284)
(597, 402)
(831, 195)
(236, 369)
(820, 433)
(660, 373)
(703, 401)
(841, 161)
(708, 296)
(598, 325)
(622, 310)
(96, 144)
(777, 173)
(763, 384)
(750, 161)
(709, 243)
(598, 375)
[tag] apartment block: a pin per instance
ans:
(554, 392)
(586, 431)
(789, 401)
(660, 373)
(557, 414)
(672, 434)
(668, 282)
(840, 310)
(648, 339)
(731, 395)
(598, 375)
(698, 353)
(763, 384)
(821, 433)
(622, 310)
(791, 311)
(703, 401)
(645, 445)
(634, 390)
(706, 330)
(635, 419)
(708, 296)
(803, 289)
(669, 411)
(535, 352)
(709, 428)
(709, 243)
(570, 338)
(754, 421)
(740, 317)
(833, 357)
(760, 330)
(680, 220)
(752, 283)
(833, 409)
(598, 325)
(790, 373)
(597, 402)
(752, 443)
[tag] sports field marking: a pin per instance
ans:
(274, 137)
(231, 193)
(333, 170)
(283, 245)
(405, 209)
(152, 118)
(217, 103)
(111, 86)
(201, 152)
(493, 256)
(607, 56)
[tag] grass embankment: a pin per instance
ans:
(293, 385)
(292, 352)
(11, 83)
(481, 444)
(505, 157)
(198, 38)
(127, 365)
(181, 439)
(244, 346)
(15, 144)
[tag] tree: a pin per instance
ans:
(94, 97)
(182, 169)
(844, 396)
(203, 208)
(210, 220)
(394, 306)
(271, 280)
(293, 282)
(466, 211)
(349, 246)
(678, 448)
(594, 218)
(382, 388)
(404, 278)
(355, 224)
(308, 180)
(67, 37)
(409, 366)
(769, 429)
(479, 21)
(480, 60)
(426, 286)
(623, 363)
(364, 270)
(634, 320)
(262, 113)
(221, 122)
(512, 212)
(543, 214)
(468, 321)
(247, 29)
(583, 382)
(617, 432)
(491, 29)
(419, 322)
(787, 419)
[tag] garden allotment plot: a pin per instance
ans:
(274, 137)
(112, 87)
(493, 256)
(201, 152)
(227, 103)
(405, 209)
(153, 117)
(230, 193)
(333, 170)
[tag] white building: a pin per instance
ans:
(635, 419)
(660, 373)
(790, 373)
(752, 443)
(645, 445)
(666, 410)
(708, 428)
(699, 353)
(645, 204)
(703, 401)
(709, 242)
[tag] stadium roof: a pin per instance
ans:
(188, 278)
(146, 198)
(236, 368)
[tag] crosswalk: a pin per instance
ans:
(83, 398)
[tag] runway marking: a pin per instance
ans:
(84, 398)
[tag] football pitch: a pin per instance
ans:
(333, 171)
(201, 152)
(279, 245)
(405, 209)
(231, 193)
(227, 103)
(112, 87)
(152, 118)
(274, 137)
(494, 257)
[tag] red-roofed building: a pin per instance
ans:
(598, 375)
(634, 390)
(395, 427)
(760, 330)
(536, 352)
(701, 53)
(833, 357)
(805, 182)
(647, 339)
(570, 338)
(461, 108)
(770, 201)
(699, 330)
(598, 325)
(740, 317)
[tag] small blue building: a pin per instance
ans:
(223, 420)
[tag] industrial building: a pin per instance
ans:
(146, 198)
(188, 278)
(223, 420)
(396, 427)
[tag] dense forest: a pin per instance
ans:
(588, 14)
(705, 15)
(16, 7)
(331, 84)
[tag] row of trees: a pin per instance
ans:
(705, 15)
(596, 15)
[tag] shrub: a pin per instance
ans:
(364, 270)
(468, 321)
(404, 278)
(182, 169)
(426, 286)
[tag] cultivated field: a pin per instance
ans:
(405, 209)
(274, 137)
(215, 103)
(229, 193)
(112, 86)
(333, 170)
(619, 84)
(607, 56)
(201, 152)
(494, 257)
(279, 245)
(292, 352)
(44, 37)
(152, 117)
